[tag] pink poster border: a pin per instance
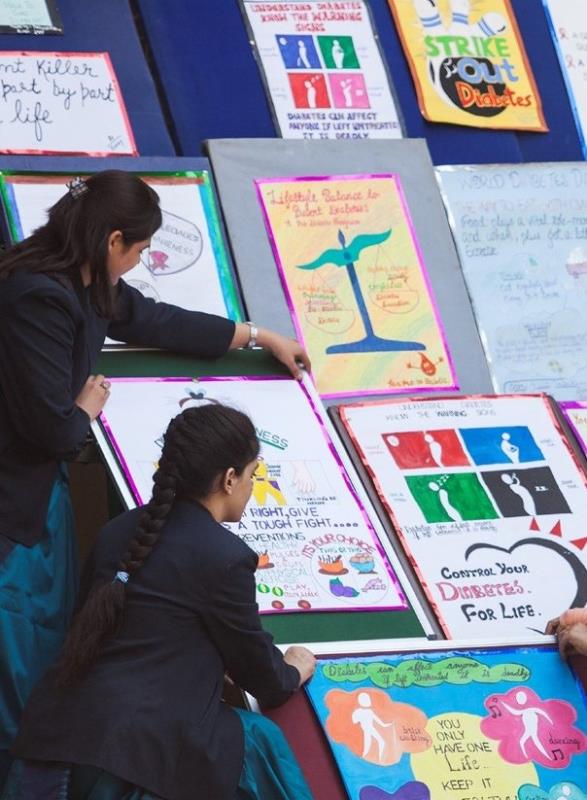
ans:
(402, 606)
(119, 99)
(565, 406)
(259, 182)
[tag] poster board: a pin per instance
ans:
(356, 284)
(454, 722)
(30, 16)
(187, 263)
(63, 102)
(318, 548)
(323, 70)
(468, 63)
(568, 25)
(489, 502)
(575, 413)
(520, 232)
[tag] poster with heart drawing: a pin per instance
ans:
(489, 502)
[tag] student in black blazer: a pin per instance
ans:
(61, 294)
(134, 703)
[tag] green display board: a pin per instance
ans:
(312, 627)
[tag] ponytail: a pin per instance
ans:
(199, 446)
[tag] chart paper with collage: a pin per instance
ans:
(323, 70)
(468, 63)
(317, 548)
(356, 284)
(506, 723)
(187, 264)
(521, 233)
(62, 103)
(568, 25)
(489, 502)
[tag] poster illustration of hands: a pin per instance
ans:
(317, 548)
(521, 233)
(62, 103)
(568, 25)
(489, 503)
(469, 724)
(323, 71)
(468, 63)
(356, 284)
(187, 262)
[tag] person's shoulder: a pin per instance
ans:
(39, 289)
(211, 543)
(115, 534)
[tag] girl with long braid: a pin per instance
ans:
(132, 710)
(61, 294)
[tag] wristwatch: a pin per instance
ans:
(253, 333)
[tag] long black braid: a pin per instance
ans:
(200, 445)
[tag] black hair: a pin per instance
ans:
(200, 445)
(77, 231)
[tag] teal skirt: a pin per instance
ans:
(38, 586)
(270, 772)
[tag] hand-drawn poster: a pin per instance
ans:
(187, 263)
(356, 284)
(317, 548)
(62, 103)
(489, 503)
(323, 71)
(469, 724)
(521, 233)
(568, 25)
(468, 63)
(576, 415)
(29, 16)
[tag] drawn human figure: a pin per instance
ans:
(513, 483)
(337, 54)
(509, 449)
(440, 67)
(303, 54)
(302, 478)
(264, 487)
(530, 720)
(311, 93)
(347, 92)
(445, 502)
(435, 449)
(367, 719)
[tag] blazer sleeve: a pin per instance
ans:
(37, 337)
(142, 321)
(231, 617)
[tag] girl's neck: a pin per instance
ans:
(86, 275)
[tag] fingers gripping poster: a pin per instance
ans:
(186, 264)
(521, 233)
(317, 548)
(503, 724)
(468, 63)
(356, 284)
(323, 70)
(489, 504)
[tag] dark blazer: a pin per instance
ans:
(150, 711)
(50, 340)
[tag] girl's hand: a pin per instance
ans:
(288, 351)
(93, 396)
(572, 640)
(303, 660)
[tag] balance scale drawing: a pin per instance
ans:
(346, 257)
